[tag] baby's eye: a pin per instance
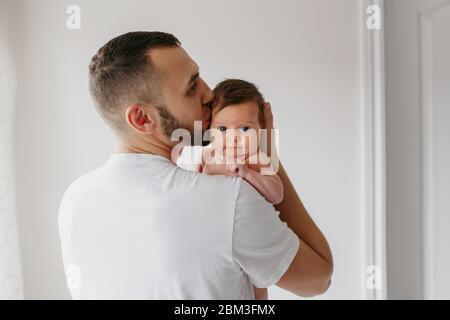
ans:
(245, 129)
(222, 128)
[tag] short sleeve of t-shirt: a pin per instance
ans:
(263, 245)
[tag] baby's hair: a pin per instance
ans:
(236, 91)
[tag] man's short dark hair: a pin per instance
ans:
(121, 74)
(237, 91)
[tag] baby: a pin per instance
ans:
(237, 117)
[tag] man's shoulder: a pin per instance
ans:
(83, 184)
(210, 182)
(250, 202)
(248, 193)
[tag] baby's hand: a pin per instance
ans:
(237, 169)
(262, 164)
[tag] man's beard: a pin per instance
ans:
(170, 123)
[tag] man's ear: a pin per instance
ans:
(142, 118)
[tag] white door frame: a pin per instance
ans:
(427, 105)
(373, 105)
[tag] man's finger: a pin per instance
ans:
(268, 116)
(268, 125)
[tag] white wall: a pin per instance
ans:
(418, 148)
(304, 54)
(10, 268)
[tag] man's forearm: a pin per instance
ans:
(312, 267)
(297, 218)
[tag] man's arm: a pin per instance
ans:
(310, 272)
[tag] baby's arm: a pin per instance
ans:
(269, 186)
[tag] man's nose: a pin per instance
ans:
(208, 96)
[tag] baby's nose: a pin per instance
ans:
(233, 136)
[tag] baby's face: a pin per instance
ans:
(237, 127)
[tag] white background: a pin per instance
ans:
(418, 148)
(304, 55)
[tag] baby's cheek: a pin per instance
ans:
(250, 142)
(218, 139)
(253, 148)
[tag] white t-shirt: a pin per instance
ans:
(139, 227)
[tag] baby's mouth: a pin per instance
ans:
(234, 152)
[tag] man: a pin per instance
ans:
(141, 228)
